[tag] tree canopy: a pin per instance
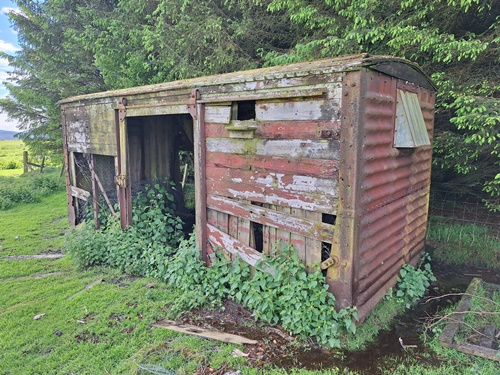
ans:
(73, 47)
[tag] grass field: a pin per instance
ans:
(11, 158)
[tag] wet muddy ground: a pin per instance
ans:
(276, 348)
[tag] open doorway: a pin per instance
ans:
(160, 148)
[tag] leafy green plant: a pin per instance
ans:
(412, 282)
(139, 249)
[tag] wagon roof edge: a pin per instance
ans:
(314, 67)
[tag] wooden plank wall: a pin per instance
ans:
(276, 185)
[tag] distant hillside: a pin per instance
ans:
(7, 135)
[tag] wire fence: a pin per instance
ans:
(455, 208)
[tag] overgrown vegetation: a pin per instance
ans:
(412, 283)
(29, 187)
(287, 295)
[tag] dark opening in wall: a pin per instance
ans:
(256, 230)
(328, 219)
(246, 110)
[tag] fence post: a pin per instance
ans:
(25, 161)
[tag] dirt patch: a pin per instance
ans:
(123, 281)
(87, 337)
(275, 346)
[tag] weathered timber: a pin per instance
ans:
(320, 129)
(293, 148)
(321, 109)
(79, 193)
(276, 180)
(220, 239)
(273, 218)
(218, 114)
(309, 201)
(447, 337)
(313, 245)
(189, 329)
(34, 256)
(321, 168)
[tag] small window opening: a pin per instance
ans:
(328, 219)
(257, 231)
(245, 110)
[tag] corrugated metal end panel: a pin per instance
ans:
(394, 193)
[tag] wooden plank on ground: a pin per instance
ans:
(35, 256)
(189, 329)
(87, 287)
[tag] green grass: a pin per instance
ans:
(464, 244)
(11, 155)
(31, 228)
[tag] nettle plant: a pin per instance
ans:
(139, 249)
(278, 291)
(412, 282)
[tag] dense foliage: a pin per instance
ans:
(71, 47)
(29, 188)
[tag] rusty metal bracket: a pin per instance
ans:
(121, 180)
(333, 261)
(122, 109)
(193, 98)
(330, 133)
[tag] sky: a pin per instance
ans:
(8, 44)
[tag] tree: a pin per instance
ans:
(51, 65)
(456, 41)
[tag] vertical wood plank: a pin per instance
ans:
(95, 192)
(233, 229)
(298, 241)
(212, 217)
(200, 181)
(273, 235)
(70, 200)
(283, 235)
(313, 247)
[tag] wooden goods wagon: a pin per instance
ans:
(333, 156)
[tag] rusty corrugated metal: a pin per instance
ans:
(394, 193)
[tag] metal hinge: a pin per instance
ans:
(122, 109)
(121, 180)
(194, 96)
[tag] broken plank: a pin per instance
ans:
(79, 193)
(217, 238)
(320, 202)
(35, 256)
(189, 329)
(87, 287)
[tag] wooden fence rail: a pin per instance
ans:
(28, 166)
